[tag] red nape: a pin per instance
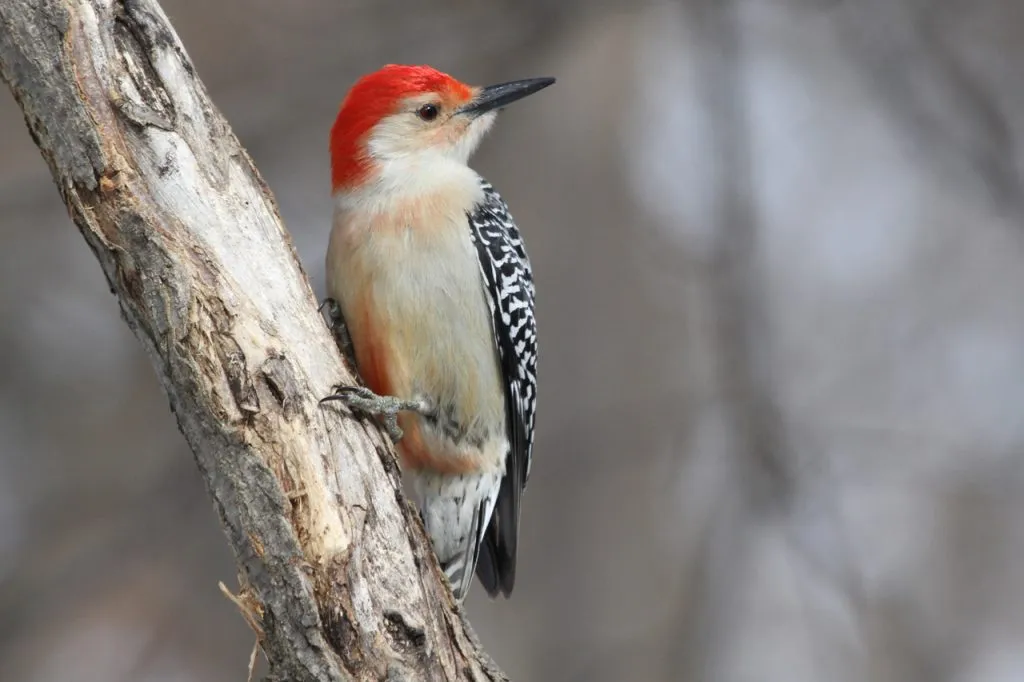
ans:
(373, 97)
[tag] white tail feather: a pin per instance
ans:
(456, 511)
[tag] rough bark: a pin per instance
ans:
(337, 576)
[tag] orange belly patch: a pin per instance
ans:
(416, 454)
(369, 342)
(376, 366)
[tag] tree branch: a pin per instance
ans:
(337, 576)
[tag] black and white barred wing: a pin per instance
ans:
(508, 284)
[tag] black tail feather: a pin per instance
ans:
(496, 564)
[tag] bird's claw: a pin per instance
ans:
(336, 323)
(332, 307)
(384, 407)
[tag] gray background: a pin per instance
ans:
(779, 261)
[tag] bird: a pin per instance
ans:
(432, 282)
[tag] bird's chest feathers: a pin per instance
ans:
(415, 257)
(410, 285)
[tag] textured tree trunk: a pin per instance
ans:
(337, 576)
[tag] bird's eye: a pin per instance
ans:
(428, 112)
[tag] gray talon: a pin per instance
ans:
(384, 407)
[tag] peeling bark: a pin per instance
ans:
(337, 576)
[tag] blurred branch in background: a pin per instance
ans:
(742, 330)
(757, 460)
(190, 241)
(936, 91)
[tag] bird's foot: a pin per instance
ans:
(385, 407)
(336, 323)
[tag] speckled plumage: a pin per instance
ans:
(508, 283)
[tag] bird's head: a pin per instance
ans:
(409, 116)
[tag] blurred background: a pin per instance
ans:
(779, 250)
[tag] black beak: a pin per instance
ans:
(496, 96)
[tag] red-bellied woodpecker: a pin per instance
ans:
(436, 290)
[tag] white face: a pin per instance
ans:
(425, 129)
(416, 153)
